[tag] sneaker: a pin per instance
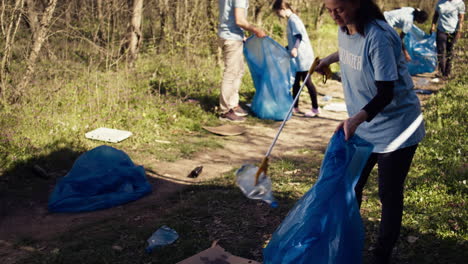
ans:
(312, 113)
(239, 111)
(231, 116)
(297, 112)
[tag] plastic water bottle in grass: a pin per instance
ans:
(262, 191)
(162, 237)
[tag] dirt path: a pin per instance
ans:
(34, 222)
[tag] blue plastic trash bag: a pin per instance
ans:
(422, 49)
(273, 74)
(100, 178)
(325, 225)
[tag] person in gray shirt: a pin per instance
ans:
(448, 18)
(232, 23)
(383, 108)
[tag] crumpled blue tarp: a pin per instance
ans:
(100, 178)
(273, 74)
(422, 49)
(325, 225)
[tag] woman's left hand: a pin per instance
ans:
(294, 52)
(351, 124)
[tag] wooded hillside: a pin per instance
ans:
(39, 35)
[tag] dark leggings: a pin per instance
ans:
(392, 169)
(445, 43)
(300, 76)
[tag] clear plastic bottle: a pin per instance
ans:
(163, 236)
(246, 181)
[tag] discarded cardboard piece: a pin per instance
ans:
(108, 134)
(226, 130)
(216, 255)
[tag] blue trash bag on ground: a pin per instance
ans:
(325, 226)
(422, 49)
(273, 74)
(100, 178)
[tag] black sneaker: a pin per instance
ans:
(239, 111)
(231, 116)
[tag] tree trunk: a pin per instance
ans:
(32, 19)
(99, 36)
(38, 41)
(133, 37)
(9, 35)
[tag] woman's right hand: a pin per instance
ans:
(322, 66)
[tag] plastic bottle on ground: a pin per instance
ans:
(163, 236)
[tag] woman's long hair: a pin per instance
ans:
(367, 12)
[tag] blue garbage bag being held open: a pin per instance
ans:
(325, 226)
(100, 178)
(273, 74)
(422, 49)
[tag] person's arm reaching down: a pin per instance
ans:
(434, 22)
(298, 38)
(383, 97)
(241, 21)
(460, 26)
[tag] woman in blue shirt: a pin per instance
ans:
(382, 105)
(301, 51)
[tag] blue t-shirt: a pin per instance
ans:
(227, 28)
(305, 54)
(400, 18)
(378, 56)
(448, 14)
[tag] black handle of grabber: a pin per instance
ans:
(264, 165)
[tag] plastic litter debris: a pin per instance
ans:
(261, 191)
(162, 237)
(325, 225)
(422, 91)
(327, 98)
(40, 172)
(336, 107)
(195, 172)
(422, 82)
(108, 134)
(435, 80)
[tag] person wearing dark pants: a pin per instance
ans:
(448, 19)
(300, 76)
(392, 169)
(445, 43)
(302, 54)
(381, 103)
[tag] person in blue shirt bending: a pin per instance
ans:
(448, 18)
(301, 51)
(403, 19)
(383, 108)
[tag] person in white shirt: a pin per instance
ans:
(403, 19)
